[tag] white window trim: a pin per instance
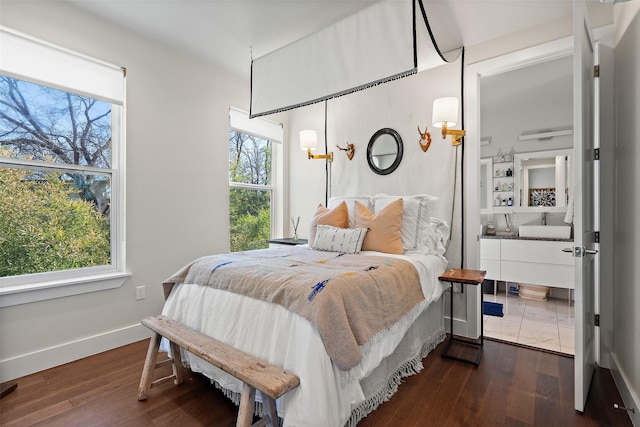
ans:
(272, 131)
(41, 291)
(30, 288)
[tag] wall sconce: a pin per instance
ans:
(309, 142)
(445, 115)
(351, 150)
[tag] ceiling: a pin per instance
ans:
(226, 33)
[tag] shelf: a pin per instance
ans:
(501, 209)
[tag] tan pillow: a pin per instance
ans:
(337, 217)
(385, 227)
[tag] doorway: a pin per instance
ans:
(590, 344)
(526, 117)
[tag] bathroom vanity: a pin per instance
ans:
(536, 261)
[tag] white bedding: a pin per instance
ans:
(326, 395)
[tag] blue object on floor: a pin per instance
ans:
(493, 309)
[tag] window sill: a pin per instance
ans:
(25, 294)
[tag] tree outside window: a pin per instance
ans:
(250, 165)
(55, 179)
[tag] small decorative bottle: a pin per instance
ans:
(295, 228)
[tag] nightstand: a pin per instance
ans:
(464, 277)
(288, 241)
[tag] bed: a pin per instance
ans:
(350, 323)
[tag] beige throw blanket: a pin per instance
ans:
(349, 298)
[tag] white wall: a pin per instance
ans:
(176, 195)
(626, 350)
(402, 105)
(527, 100)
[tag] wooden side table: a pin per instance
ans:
(464, 277)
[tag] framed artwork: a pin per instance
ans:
(542, 197)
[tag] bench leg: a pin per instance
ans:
(269, 410)
(177, 363)
(247, 403)
(149, 366)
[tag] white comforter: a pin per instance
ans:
(326, 395)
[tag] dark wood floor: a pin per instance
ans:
(512, 387)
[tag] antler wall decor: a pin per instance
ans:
(351, 150)
(425, 139)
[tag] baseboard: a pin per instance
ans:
(40, 360)
(460, 327)
(629, 398)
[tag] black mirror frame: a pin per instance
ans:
(396, 163)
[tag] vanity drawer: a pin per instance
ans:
(539, 262)
(492, 267)
(490, 248)
(536, 251)
(555, 275)
(490, 258)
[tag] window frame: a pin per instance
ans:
(28, 288)
(273, 132)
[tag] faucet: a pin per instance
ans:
(544, 218)
(507, 219)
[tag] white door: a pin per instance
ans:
(584, 185)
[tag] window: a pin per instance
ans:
(53, 218)
(252, 152)
(61, 171)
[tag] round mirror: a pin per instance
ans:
(384, 151)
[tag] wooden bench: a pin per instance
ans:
(255, 373)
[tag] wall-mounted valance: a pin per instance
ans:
(383, 42)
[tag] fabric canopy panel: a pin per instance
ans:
(383, 42)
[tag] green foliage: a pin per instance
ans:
(249, 209)
(250, 219)
(44, 226)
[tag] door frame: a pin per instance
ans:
(471, 201)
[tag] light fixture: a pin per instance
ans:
(544, 135)
(445, 115)
(309, 142)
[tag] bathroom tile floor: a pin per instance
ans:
(544, 324)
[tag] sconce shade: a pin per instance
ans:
(445, 111)
(308, 139)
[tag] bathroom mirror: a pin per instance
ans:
(542, 181)
(384, 151)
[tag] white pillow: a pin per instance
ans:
(350, 201)
(417, 210)
(434, 237)
(334, 239)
